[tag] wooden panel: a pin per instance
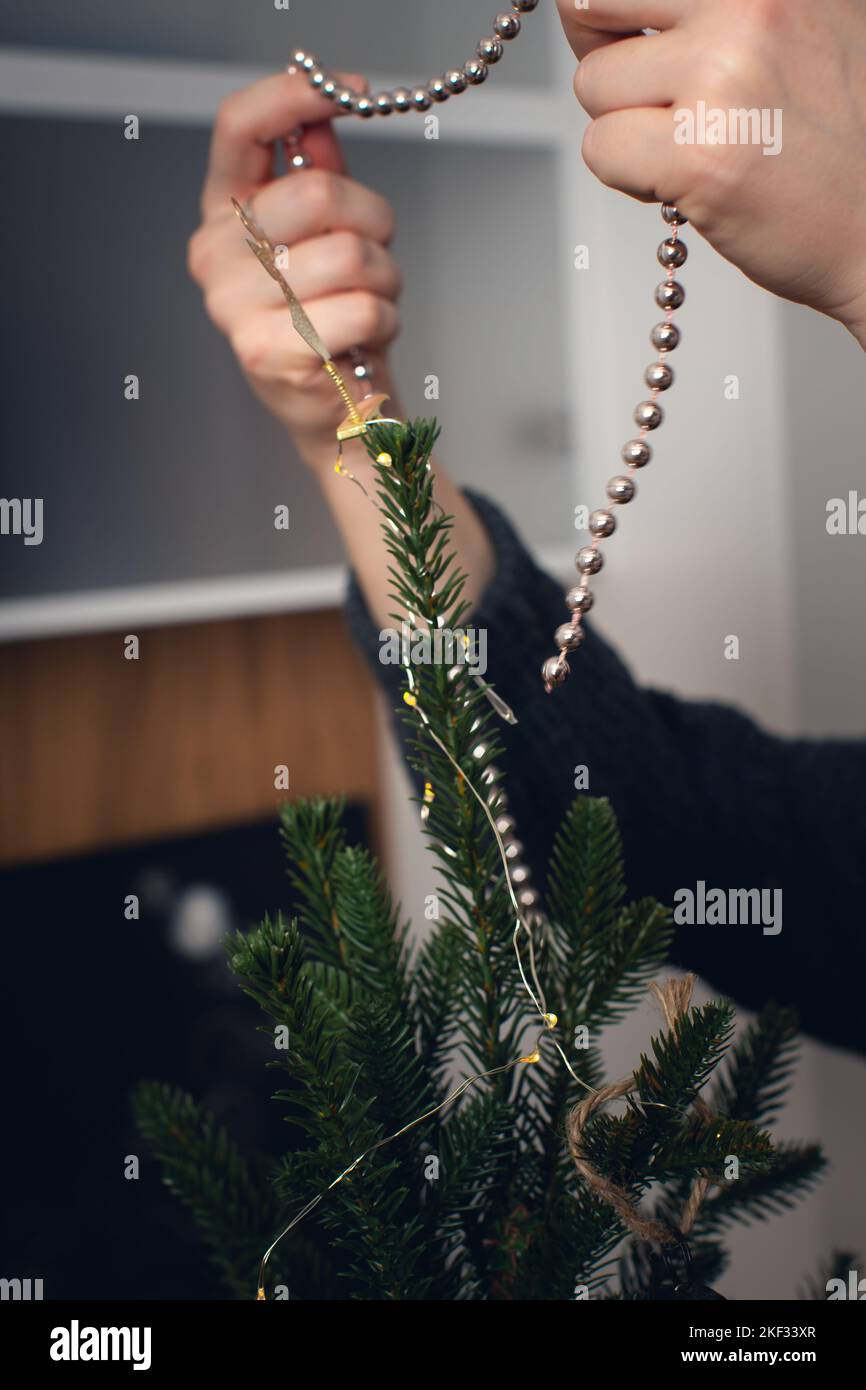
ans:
(96, 750)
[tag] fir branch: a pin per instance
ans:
(334, 990)
(429, 586)
(372, 939)
(231, 1199)
(312, 834)
(541, 1124)
(378, 1233)
(372, 1039)
(619, 962)
(434, 995)
(794, 1171)
(475, 1152)
(705, 1146)
(569, 1247)
(759, 1067)
(658, 1138)
(270, 965)
(382, 1046)
(684, 1057)
(586, 881)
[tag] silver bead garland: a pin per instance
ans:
(489, 51)
(519, 872)
(648, 416)
(665, 336)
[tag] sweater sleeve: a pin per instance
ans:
(706, 800)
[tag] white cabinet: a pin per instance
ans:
(163, 507)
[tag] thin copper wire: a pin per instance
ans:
(380, 1144)
(521, 925)
(534, 990)
(264, 252)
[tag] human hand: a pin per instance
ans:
(337, 233)
(794, 222)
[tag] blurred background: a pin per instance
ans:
(155, 777)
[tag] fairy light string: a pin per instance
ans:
(531, 984)
(314, 1202)
(359, 417)
(534, 988)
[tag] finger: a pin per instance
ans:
(342, 262)
(293, 209)
(357, 319)
(632, 72)
(603, 21)
(268, 347)
(331, 265)
(320, 141)
(247, 125)
(307, 204)
(635, 151)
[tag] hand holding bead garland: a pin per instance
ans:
(670, 295)
(675, 996)
(636, 454)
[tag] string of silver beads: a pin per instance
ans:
(518, 871)
(636, 454)
(490, 779)
(489, 51)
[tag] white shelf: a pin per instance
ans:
(44, 82)
(165, 605)
(190, 601)
(101, 87)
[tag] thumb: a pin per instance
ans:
(319, 142)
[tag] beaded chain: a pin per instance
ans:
(636, 454)
(669, 297)
(659, 376)
(506, 26)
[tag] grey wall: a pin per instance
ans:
(396, 36)
(825, 379)
(182, 483)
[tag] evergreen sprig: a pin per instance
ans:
(481, 1200)
(234, 1207)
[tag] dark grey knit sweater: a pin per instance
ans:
(701, 793)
